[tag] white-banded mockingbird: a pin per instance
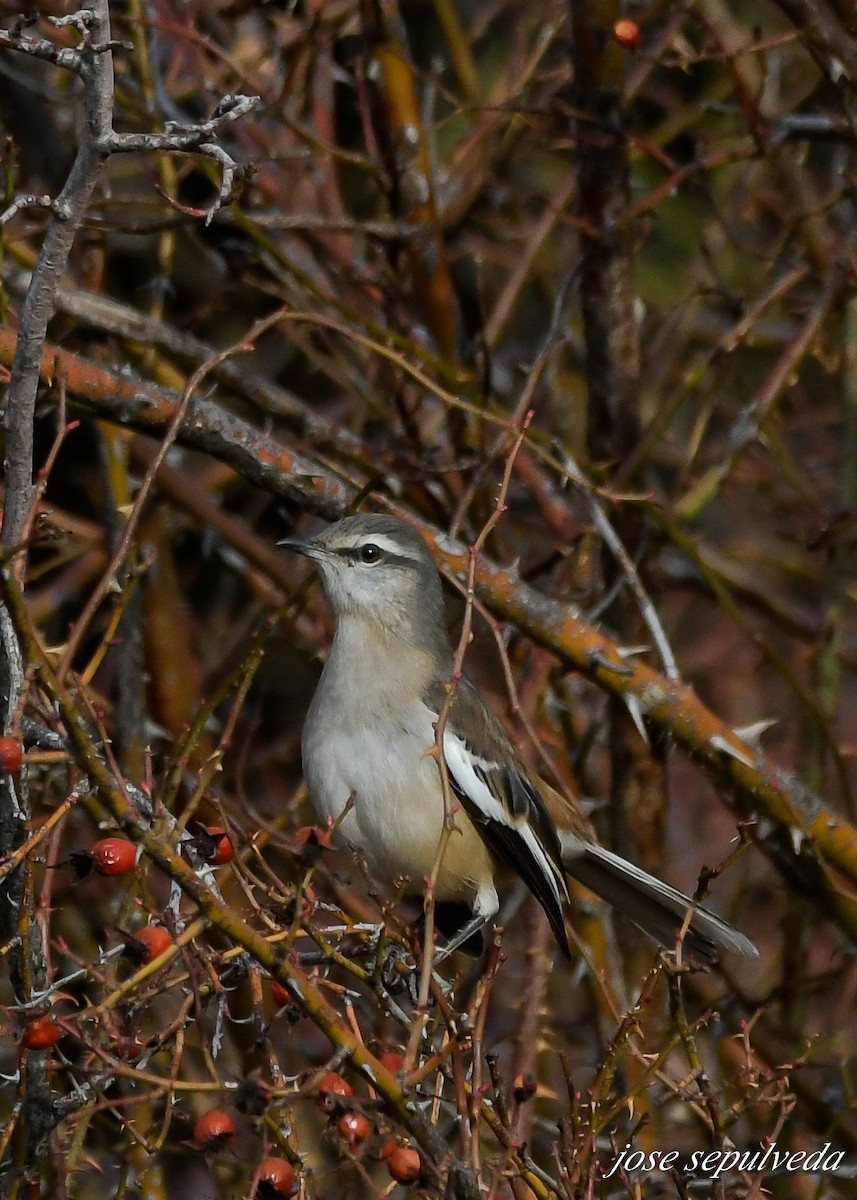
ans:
(367, 745)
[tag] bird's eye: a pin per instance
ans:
(370, 553)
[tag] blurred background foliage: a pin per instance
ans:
(638, 223)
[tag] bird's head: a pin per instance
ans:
(379, 568)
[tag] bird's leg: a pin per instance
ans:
(486, 905)
(473, 926)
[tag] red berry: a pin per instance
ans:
(627, 34)
(150, 943)
(214, 1129)
(331, 1086)
(405, 1164)
(280, 994)
(393, 1061)
(127, 1048)
(41, 1033)
(11, 755)
(355, 1128)
(114, 856)
(276, 1178)
(222, 851)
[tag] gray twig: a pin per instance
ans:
(30, 200)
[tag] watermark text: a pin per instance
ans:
(714, 1163)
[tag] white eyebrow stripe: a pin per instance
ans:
(462, 766)
(390, 545)
(383, 541)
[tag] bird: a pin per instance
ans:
(370, 758)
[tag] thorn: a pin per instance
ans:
(632, 703)
(632, 651)
(595, 658)
(753, 733)
(720, 743)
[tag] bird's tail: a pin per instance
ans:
(655, 907)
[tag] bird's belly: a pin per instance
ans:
(396, 814)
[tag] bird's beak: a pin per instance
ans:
(305, 546)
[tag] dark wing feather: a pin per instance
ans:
(507, 809)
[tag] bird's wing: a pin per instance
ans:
(541, 835)
(503, 804)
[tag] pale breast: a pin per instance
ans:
(383, 764)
